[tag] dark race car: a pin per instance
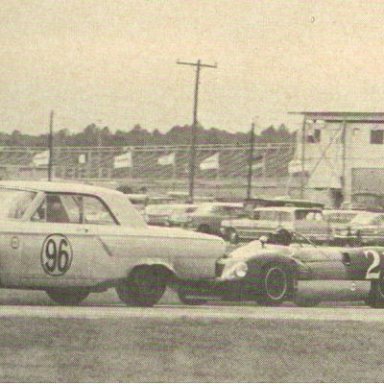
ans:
(306, 274)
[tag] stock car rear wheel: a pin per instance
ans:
(67, 296)
(143, 288)
(376, 295)
(276, 285)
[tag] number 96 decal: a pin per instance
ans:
(56, 255)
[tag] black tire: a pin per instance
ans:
(233, 236)
(307, 302)
(144, 287)
(276, 285)
(376, 295)
(183, 297)
(204, 228)
(67, 296)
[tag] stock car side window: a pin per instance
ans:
(57, 209)
(95, 212)
(74, 209)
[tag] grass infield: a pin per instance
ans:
(149, 350)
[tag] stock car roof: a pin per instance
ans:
(51, 186)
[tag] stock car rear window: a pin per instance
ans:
(14, 203)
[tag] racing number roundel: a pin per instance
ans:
(56, 255)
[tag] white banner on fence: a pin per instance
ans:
(123, 161)
(82, 158)
(41, 159)
(167, 159)
(211, 162)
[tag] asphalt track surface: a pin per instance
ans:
(361, 314)
(29, 304)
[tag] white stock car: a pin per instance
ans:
(72, 239)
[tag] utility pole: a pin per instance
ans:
(303, 174)
(192, 158)
(250, 160)
(50, 147)
(344, 160)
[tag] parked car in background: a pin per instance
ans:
(138, 200)
(364, 228)
(179, 216)
(262, 202)
(160, 214)
(183, 197)
(207, 217)
(339, 217)
(280, 224)
(73, 239)
(339, 220)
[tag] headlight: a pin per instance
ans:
(234, 271)
(240, 270)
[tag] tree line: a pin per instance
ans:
(94, 135)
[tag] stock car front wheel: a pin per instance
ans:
(276, 285)
(67, 296)
(144, 287)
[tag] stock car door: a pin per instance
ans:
(58, 248)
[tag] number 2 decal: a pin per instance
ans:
(373, 272)
(56, 255)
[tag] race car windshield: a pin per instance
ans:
(14, 203)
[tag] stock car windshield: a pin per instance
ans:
(14, 203)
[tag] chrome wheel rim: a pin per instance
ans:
(276, 284)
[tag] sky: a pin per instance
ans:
(113, 62)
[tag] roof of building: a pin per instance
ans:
(342, 116)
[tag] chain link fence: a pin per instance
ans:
(146, 162)
(215, 164)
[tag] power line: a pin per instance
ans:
(192, 159)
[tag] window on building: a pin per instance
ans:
(377, 136)
(314, 135)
